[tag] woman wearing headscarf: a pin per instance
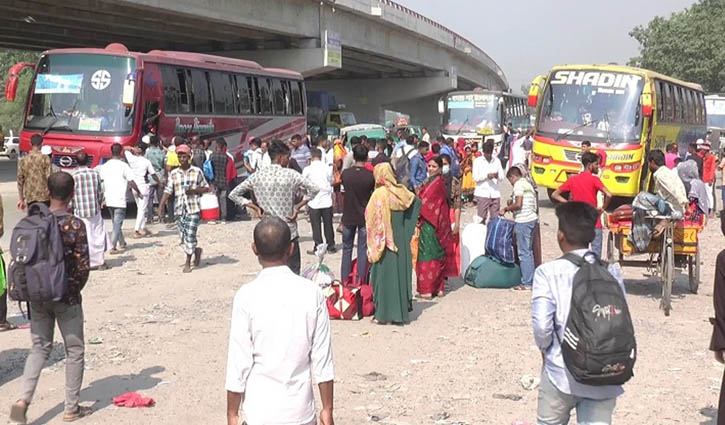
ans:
(697, 192)
(391, 217)
(435, 232)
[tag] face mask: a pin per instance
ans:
(446, 169)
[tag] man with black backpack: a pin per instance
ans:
(582, 326)
(50, 276)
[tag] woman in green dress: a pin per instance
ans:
(391, 217)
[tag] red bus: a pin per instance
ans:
(87, 99)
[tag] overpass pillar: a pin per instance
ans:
(368, 98)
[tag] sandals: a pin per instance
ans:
(18, 414)
(8, 326)
(82, 412)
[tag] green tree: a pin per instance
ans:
(11, 113)
(688, 45)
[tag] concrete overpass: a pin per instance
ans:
(373, 54)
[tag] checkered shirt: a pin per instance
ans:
(180, 180)
(88, 192)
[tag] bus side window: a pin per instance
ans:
(287, 100)
(296, 98)
(701, 108)
(669, 97)
(658, 99)
(253, 95)
(265, 98)
(278, 97)
(171, 89)
(222, 93)
(243, 92)
(200, 92)
(691, 107)
(184, 103)
(233, 106)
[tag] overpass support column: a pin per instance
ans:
(368, 98)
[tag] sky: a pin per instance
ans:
(541, 34)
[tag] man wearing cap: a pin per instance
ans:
(33, 172)
(709, 165)
(187, 184)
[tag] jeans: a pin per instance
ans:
(294, 261)
(319, 218)
(42, 324)
(596, 245)
(221, 196)
(524, 243)
(554, 407)
(348, 240)
(117, 217)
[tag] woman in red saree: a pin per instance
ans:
(435, 232)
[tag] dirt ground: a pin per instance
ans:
(460, 360)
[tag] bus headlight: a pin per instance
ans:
(541, 159)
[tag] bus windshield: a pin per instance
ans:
(593, 105)
(81, 93)
(475, 112)
(715, 113)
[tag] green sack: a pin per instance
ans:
(489, 272)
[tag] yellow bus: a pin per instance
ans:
(623, 112)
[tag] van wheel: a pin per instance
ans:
(13, 155)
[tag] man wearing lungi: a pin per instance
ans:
(187, 184)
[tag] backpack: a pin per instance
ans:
(37, 269)
(500, 240)
(599, 347)
(208, 170)
(402, 166)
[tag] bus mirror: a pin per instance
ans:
(534, 90)
(441, 106)
(129, 89)
(11, 86)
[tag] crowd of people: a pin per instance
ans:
(399, 203)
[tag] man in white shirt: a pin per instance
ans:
(279, 340)
(143, 172)
(487, 173)
(328, 154)
(266, 159)
(426, 135)
(320, 174)
(117, 176)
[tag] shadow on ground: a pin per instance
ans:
(711, 414)
(103, 390)
(12, 361)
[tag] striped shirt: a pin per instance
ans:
(88, 192)
(527, 212)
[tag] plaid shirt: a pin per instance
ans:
(179, 181)
(88, 193)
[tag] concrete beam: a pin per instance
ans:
(369, 98)
(308, 62)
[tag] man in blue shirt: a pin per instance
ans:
(418, 168)
(551, 301)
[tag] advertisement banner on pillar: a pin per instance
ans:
(333, 49)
